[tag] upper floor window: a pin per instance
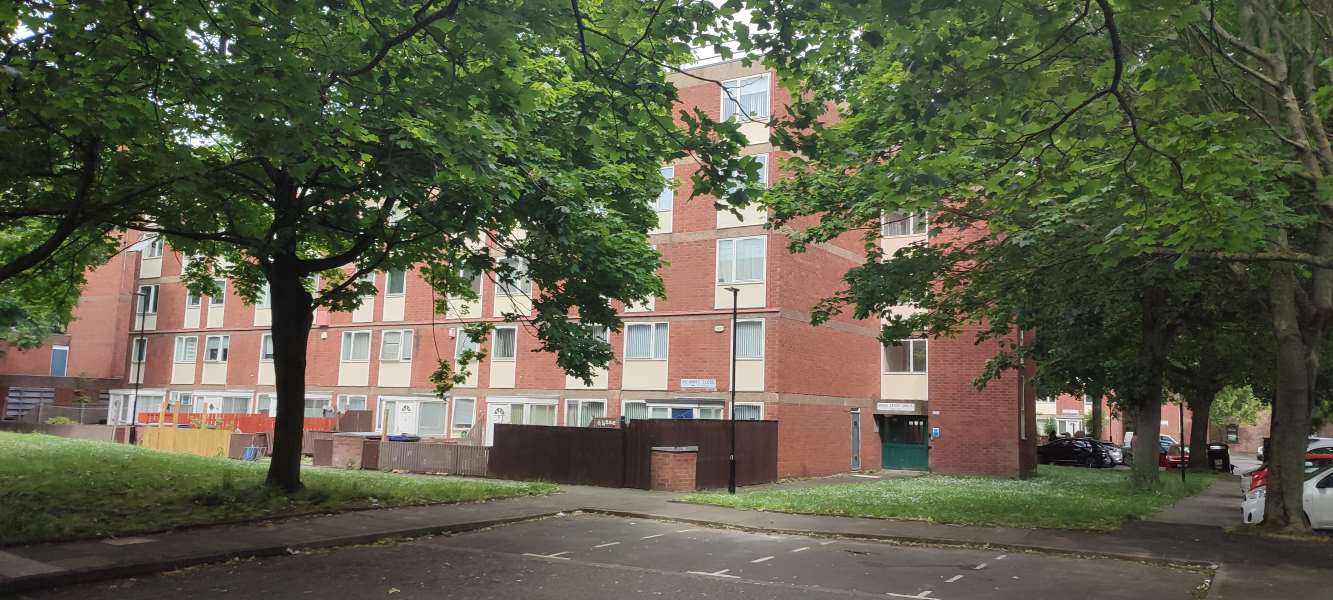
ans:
(666, 198)
(192, 300)
(747, 97)
(749, 340)
(520, 284)
(396, 345)
(740, 260)
(901, 223)
(646, 341)
(906, 356)
(139, 350)
(265, 297)
(395, 282)
(147, 299)
(219, 298)
(155, 247)
(505, 346)
(266, 347)
(465, 343)
(356, 346)
(59, 360)
(187, 348)
(216, 347)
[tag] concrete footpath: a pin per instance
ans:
(1248, 566)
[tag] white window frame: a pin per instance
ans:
(652, 328)
(342, 401)
(514, 289)
(181, 348)
(346, 348)
(727, 98)
(138, 350)
(758, 404)
(224, 348)
(388, 283)
(192, 300)
(262, 338)
(64, 372)
(453, 429)
(735, 243)
(908, 343)
(406, 343)
(176, 398)
(916, 220)
(575, 405)
(668, 193)
(669, 406)
(495, 345)
(528, 403)
(763, 338)
(463, 338)
(151, 300)
(219, 299)
(155, 247)
(272, 403)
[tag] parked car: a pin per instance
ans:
(1318, 449)
(1117, 453)
(1316, 497)
(1076, 451)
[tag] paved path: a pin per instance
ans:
(599, 557)
(1251, 567)
(1217, 506)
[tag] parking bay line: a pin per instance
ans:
(557, 555)
(979, 567)
(801, 549)
(649, 537)
(722, 573)
(606, 544)
(953, 579)
(759, 560)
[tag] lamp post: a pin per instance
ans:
(731, 477)
(141, 305)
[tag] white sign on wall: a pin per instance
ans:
(699, 384)
(907, 407)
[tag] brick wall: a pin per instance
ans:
(674, 470)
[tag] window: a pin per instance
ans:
(740, 260)
(192, 300)
(747, 97)
(139, 350)
(220, 298)
(356, 346)
(505, 346)
(646, 341)
(59, 360)
(155, 247)
(215, 348)
(749, 340)
(264, 404)
(369, 278)
(187, 348)
(901, 223)
(601, 332)
(666, 197)
(749, 411)
(465, 343)
(185, 399)
(234, 404)
(464, 414)
(265, 297)
(736, 181)
(521, 285)
(907, 356)
(147, 299)
(396, 345)
(315, 405)
(635, 410)
(580, 413)
(431, 419)
(395, 282)
(530, 413)
(266, 347)
(348, 402)
(663, 410)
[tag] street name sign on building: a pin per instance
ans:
(907, 407)
(699, 384)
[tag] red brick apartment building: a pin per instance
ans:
(843, 402)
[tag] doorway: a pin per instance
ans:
(904, 442)
(856, 439)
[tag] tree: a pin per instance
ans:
(1236, 404)
(1194, 142)
(520, 140)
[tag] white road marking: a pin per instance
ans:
(685, 530)
(759, 560)
(923, 594)
(649, 537)
(979, 567)
(917, 596)
(557, 555)
(606, 544)
(865, 476)
(826, 543)
(722, 573)
(953, 579)
(1001, 557)
(801, 549)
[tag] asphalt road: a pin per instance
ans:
(596, 557)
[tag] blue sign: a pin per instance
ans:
(934, 432)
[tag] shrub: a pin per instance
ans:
(61, 421)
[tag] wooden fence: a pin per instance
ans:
(203, 442)
(622, 457)
(242, 422)
(431, 457)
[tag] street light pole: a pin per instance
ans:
(731, 478)
(141, 304)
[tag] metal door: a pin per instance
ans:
(856, 439)
(905, 443)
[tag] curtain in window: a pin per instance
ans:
(746, 96)
(405, 353)
(636, 410)
(750, 339)
(748, 412)
(465, 343)
(463, 413)
(541, 414)
(726, 259)
(639, 341)
(235, 405)
(432, 419)
(506, 343)
(763, 169)
(264, 403)
(667, 195)
(750, 259)
(266, 347)
(660, 340)
(919, 356)
(895, 358)
(392, 347)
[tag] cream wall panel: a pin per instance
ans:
(600, 381)
(645, 375)
(664, 221)
(192, 318)
(215, 314)
(755, 132)
(752, 295)
(354, 373)
(903, 386)
(265, 375)
(749, 375)
(395, 374)
(150, 268)
(750, 215)
(263, 317)
(394, 308)
(647, 306)
(215, 373)
(135, 374)
(182, 373)
(366, 312)
(893, 244)
(503, 373)
(147, 322)
(505, 304)
(459, 309)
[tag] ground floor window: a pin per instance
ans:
(465, 413)
(348, 402)
(749, 411)
(315, 406)
(412, 416)
(234, 404)
(649, 409)
(264, 404)
(580, 413)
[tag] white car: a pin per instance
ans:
(1317, 445)
(1317, 499)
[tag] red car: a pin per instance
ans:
(1259, 478)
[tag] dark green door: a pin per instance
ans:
(904, 440)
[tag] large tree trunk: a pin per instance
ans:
(1200, 407)
(1156, 333)
(1098, 422)
(1283, 509)
(292, 318)
(1147, 428)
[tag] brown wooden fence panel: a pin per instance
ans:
(574, 455)
(357, 420)
(428, 457)
(756, 450)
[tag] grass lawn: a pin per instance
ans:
(1062, 497)
(55, 488)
